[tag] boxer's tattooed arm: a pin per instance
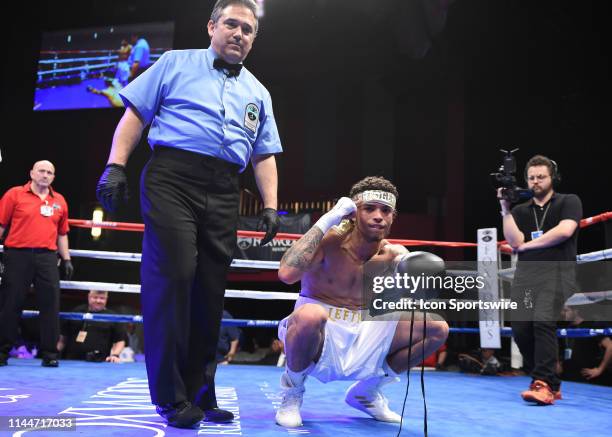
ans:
(301, 253)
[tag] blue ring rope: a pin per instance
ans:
(249, 323)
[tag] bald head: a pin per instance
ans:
(42, 175)
(44, 164)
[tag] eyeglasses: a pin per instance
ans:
(539, 177)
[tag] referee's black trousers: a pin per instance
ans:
(190, 211)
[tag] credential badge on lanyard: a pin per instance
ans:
(46, 210)
(539, 232)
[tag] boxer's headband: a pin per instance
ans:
(376, 196)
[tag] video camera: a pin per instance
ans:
(505, 179)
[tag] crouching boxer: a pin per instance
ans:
(325, 336)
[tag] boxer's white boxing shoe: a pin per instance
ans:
(288, 414)
(365, 395)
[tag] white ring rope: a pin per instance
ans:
(255, 264)
(598, 255)
(587, 298)
(135, 288)
(506, 274)
(136, 257)
(96, 254)
(100, 286)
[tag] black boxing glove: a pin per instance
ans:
(417, 263)
(67, 269)
(112, 189)
(269, 221)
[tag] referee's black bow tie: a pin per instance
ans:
(232, 69)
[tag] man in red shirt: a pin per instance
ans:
(37, 220)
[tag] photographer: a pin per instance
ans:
(543, 231)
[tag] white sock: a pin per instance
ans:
(298, 378)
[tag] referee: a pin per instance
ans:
(209, 118)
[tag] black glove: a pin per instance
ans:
(270, 221)
(67, 269)
(416, 263)
(112, 189)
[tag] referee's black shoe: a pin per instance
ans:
(181, 414)
(217, 415)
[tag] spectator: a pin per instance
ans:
(228, 341)
(134, 336)
(481, 361)
(588, 358)
(262, 355)
(92, 340)
(273, 353)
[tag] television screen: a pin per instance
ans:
(86, 68)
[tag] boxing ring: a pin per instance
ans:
(113, 399)
(64, 78)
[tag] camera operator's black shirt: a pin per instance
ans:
(562, 207)
(100, 335)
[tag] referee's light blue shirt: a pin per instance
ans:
(192, 106)
(140, 53)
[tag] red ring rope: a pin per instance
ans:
(139, 227)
